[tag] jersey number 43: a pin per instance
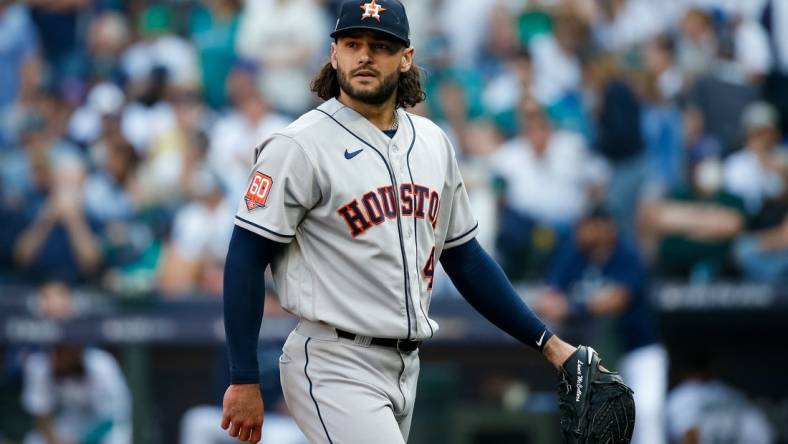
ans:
(429, 269)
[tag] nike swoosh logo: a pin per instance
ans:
(541, 338)
(353, 154)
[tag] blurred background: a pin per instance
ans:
(626, 160)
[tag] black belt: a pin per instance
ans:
(403, 345)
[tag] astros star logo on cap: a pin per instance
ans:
(372, 9)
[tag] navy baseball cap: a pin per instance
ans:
(386, 16)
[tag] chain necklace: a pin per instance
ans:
(396, 121)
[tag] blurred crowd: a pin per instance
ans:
(127, 128)
(605, 143)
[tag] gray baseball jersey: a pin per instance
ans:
(370, 215)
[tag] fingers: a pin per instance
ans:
(235, 430)
(256, 435)
(251, 434)
(225, 422)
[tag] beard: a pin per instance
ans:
(376, 96)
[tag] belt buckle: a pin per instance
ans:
(409, 345)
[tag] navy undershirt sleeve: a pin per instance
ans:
(482, 282)
(244, 292)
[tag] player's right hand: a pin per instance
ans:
(242, 412)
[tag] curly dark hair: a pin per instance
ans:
(409, 91)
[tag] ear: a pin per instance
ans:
(407, 60)
(334, 55)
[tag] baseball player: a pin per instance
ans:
(352, 205)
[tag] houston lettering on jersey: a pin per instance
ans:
(379, 205)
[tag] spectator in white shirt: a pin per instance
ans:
(548, 177)
(758, 172)
(547, 172)
(557, 69)
(76, 395)
(236, 135)
(194, 256)
(285, 38)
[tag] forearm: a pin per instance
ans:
(484, 285)
(700, 222)
(244, 292)
(31, 240)
(84, 243)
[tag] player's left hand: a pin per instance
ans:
(242, 412)
(595, 404)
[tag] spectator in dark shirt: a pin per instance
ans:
(602, 276)
(721, 95)
(60, 241)
(59, 29)
(618, 137)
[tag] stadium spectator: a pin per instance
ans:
(61, 241)
(773, 16)
(161, 48)
(505, 90)
(763, 254)
(285, 38)
(87, 123)
(557, 68)
(751, 46)
(661, 116)
(464, 42)
(166, 162)
(107, 37)
(63, 43)
(691, 228)
(704, 409)
(55, 301)
(721, 94)
(500, 43)
(110, 191)
(194, 258)
(697, 142)
(213, 30)
(546, 177)
(622, 24)
(617, 116)
(601, 275)
(696, 47)
(235, 136)
(759, 172)
(659, 56)
(20, 63)
(149, 114)
(75, 395)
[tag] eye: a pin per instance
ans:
(383, 46)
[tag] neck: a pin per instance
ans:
(382, 116)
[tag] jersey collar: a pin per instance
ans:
(363, 128)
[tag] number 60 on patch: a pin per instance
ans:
(257, 194)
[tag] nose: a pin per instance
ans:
(364, 56)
